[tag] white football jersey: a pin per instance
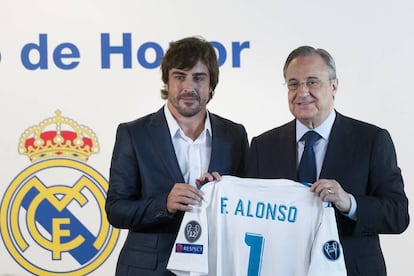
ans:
(252, 227)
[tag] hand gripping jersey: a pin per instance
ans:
(252, 227)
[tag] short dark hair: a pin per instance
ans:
(184, 54)
(304, 51)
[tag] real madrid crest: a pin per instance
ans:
(53, 220)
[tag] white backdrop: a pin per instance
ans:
(371, 42)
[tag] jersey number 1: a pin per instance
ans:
(255, 242)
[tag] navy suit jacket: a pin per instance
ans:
(143, 170)
(362, 158)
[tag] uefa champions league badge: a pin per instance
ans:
(192, 232)
(332, 250)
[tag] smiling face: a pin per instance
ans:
(313, 99)
(188, 90)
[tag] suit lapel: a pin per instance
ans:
(340, 149)
(159, 132)
(288, 151)
(218, 144)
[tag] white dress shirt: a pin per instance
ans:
(193, 155)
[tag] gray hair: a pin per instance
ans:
(304, 51)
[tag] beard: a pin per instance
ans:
(187, 109)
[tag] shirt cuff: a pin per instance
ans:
(352, 211)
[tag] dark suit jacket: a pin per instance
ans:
(144, 168)
(362, 158)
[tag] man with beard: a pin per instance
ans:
(159, 159)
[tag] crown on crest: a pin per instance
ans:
(58, 137)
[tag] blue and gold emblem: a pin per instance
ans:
(53, 220)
